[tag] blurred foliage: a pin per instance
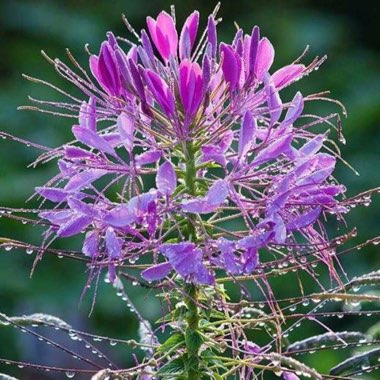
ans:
(346, 31)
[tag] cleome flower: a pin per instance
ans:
(181, 136)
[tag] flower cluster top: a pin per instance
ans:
(185, 157)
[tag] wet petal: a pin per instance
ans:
(246, 137)
(53, 194)
(92, 139)
(84, 179)
(188, 35)
(157, 272)
(166, 179)
(113, 244)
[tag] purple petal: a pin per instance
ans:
(212, 36)
(290, 376)
(138, 205)
(305, 219)
(112, 243)
(190, 86)
(288, 74)
(213, 153)
(273, 150)
(254, 45)
(217, 193)
(74, 226)
(264, 60)
(295, 110)
(120, 216)
(91, 244)
(105, 69)
(52, 193)
(92, 139)
(166, 179)
(56, 217)
(250, 260)
(319, 176)
(273, 99)
(231, 66)
(196, 206)
(313, 146)
(188, 35)
(186, 259)
(157, 272)
(279, 229)
(148, 157)
(227, 258)
(82, 208)
(160, 91)
(76, 153)
(247, 131)
(137, 80)
(87, 115)
(206, 74)
(126, 128)
(83, 179)
(164, 35)
(147, 46)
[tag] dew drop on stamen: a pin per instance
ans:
(29, 251)
(305, 302)
(70, 374)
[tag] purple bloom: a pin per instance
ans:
(190, 87)
(106, 70)
(161, 92)
(186, 259)
(213, 133)
(188, 35)
(164, 35)
(231, 66)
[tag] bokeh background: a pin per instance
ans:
(347, 31)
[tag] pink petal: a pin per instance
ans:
(264, 60)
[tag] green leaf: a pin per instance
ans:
(193, 340)
(6, 377)
(374, 331)
(208, 357)
(172, 341)
(328, 339)
(357, 363)
(175, 366)
(34, 319)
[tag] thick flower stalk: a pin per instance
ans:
(188, 166)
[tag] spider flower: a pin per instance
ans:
(189, 159)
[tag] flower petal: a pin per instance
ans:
(166, 179)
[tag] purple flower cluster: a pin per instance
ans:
(236, 169)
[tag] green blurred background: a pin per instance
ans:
(347, 31)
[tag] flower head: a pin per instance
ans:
(171, 147)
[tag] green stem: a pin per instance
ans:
(192, 337)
